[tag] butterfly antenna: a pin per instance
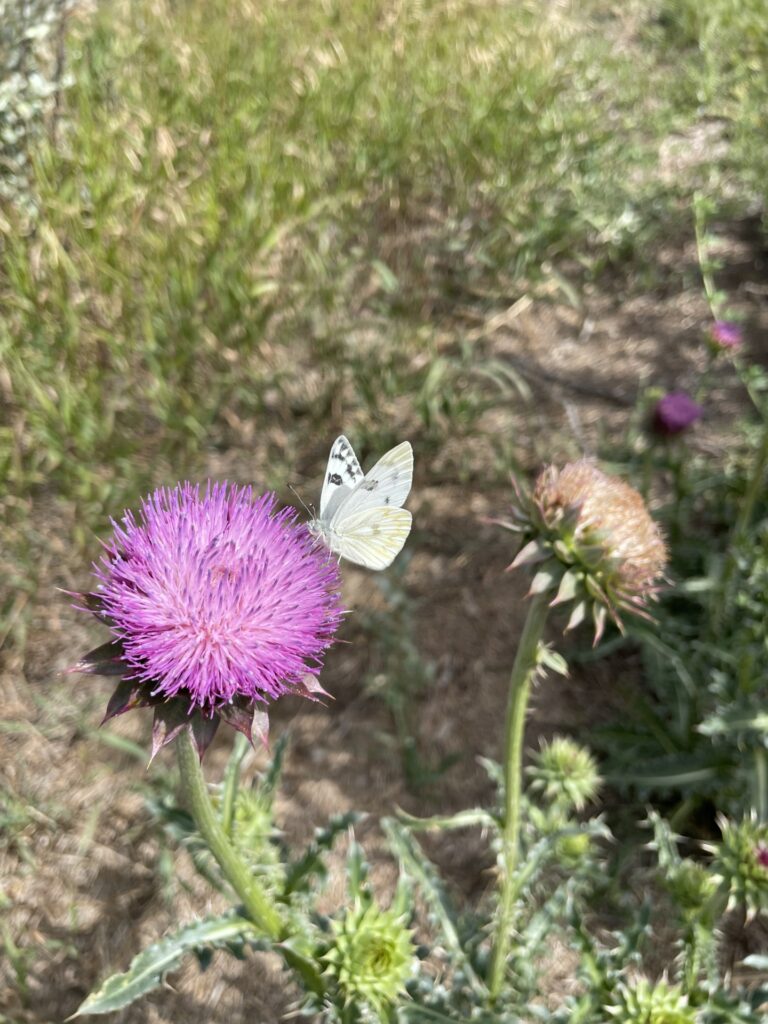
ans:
(309, 512)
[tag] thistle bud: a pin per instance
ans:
(675, 413)
(565, 774)
(725, 335)
(741, 863)
(644, 1003)
(692, 886)
(372, 956)
(592, 542)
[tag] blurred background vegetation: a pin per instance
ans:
(238, 212)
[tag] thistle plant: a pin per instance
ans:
(218, 604)
(593, 545)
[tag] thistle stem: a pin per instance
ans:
(257, 903)
(761, 783)
(741, 527)
(523, 674)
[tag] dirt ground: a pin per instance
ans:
(81, 879)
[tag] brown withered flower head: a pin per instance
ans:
(592, 542)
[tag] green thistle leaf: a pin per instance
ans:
(148, 969)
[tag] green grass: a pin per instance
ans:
(269, 213)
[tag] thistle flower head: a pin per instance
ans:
(644, 1003)
(741, 863)
(725, 335)
(592, 541)
(675, 412)
(565, 773)
(371, 957)
(217, 604)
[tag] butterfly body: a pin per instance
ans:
(361, 517)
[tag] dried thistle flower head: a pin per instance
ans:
(593, 542)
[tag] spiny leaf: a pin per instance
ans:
(415, 863)
(148, 969)
(304, 964)
(733, 720)
(271, 779)
(463, 819)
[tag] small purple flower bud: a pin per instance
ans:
(675, 412)
(761, 855)
(726, 335)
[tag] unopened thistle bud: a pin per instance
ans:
(372, 956)
(692, 886)
(741, 863)
(644, 1003)
(565, 774)
(592, 542)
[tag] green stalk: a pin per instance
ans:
(707, 265)
(744, 520)
(523, 673)
(741, 528)
(257, 903)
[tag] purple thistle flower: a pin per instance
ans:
(217, 604)
(726, 335)
(675, 412)
(761, 855)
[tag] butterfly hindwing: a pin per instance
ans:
(373, 537)
(342, 473)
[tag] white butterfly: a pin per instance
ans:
(361, 518)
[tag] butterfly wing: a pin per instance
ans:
(371, 537)
(342, 473)
(386, 485)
